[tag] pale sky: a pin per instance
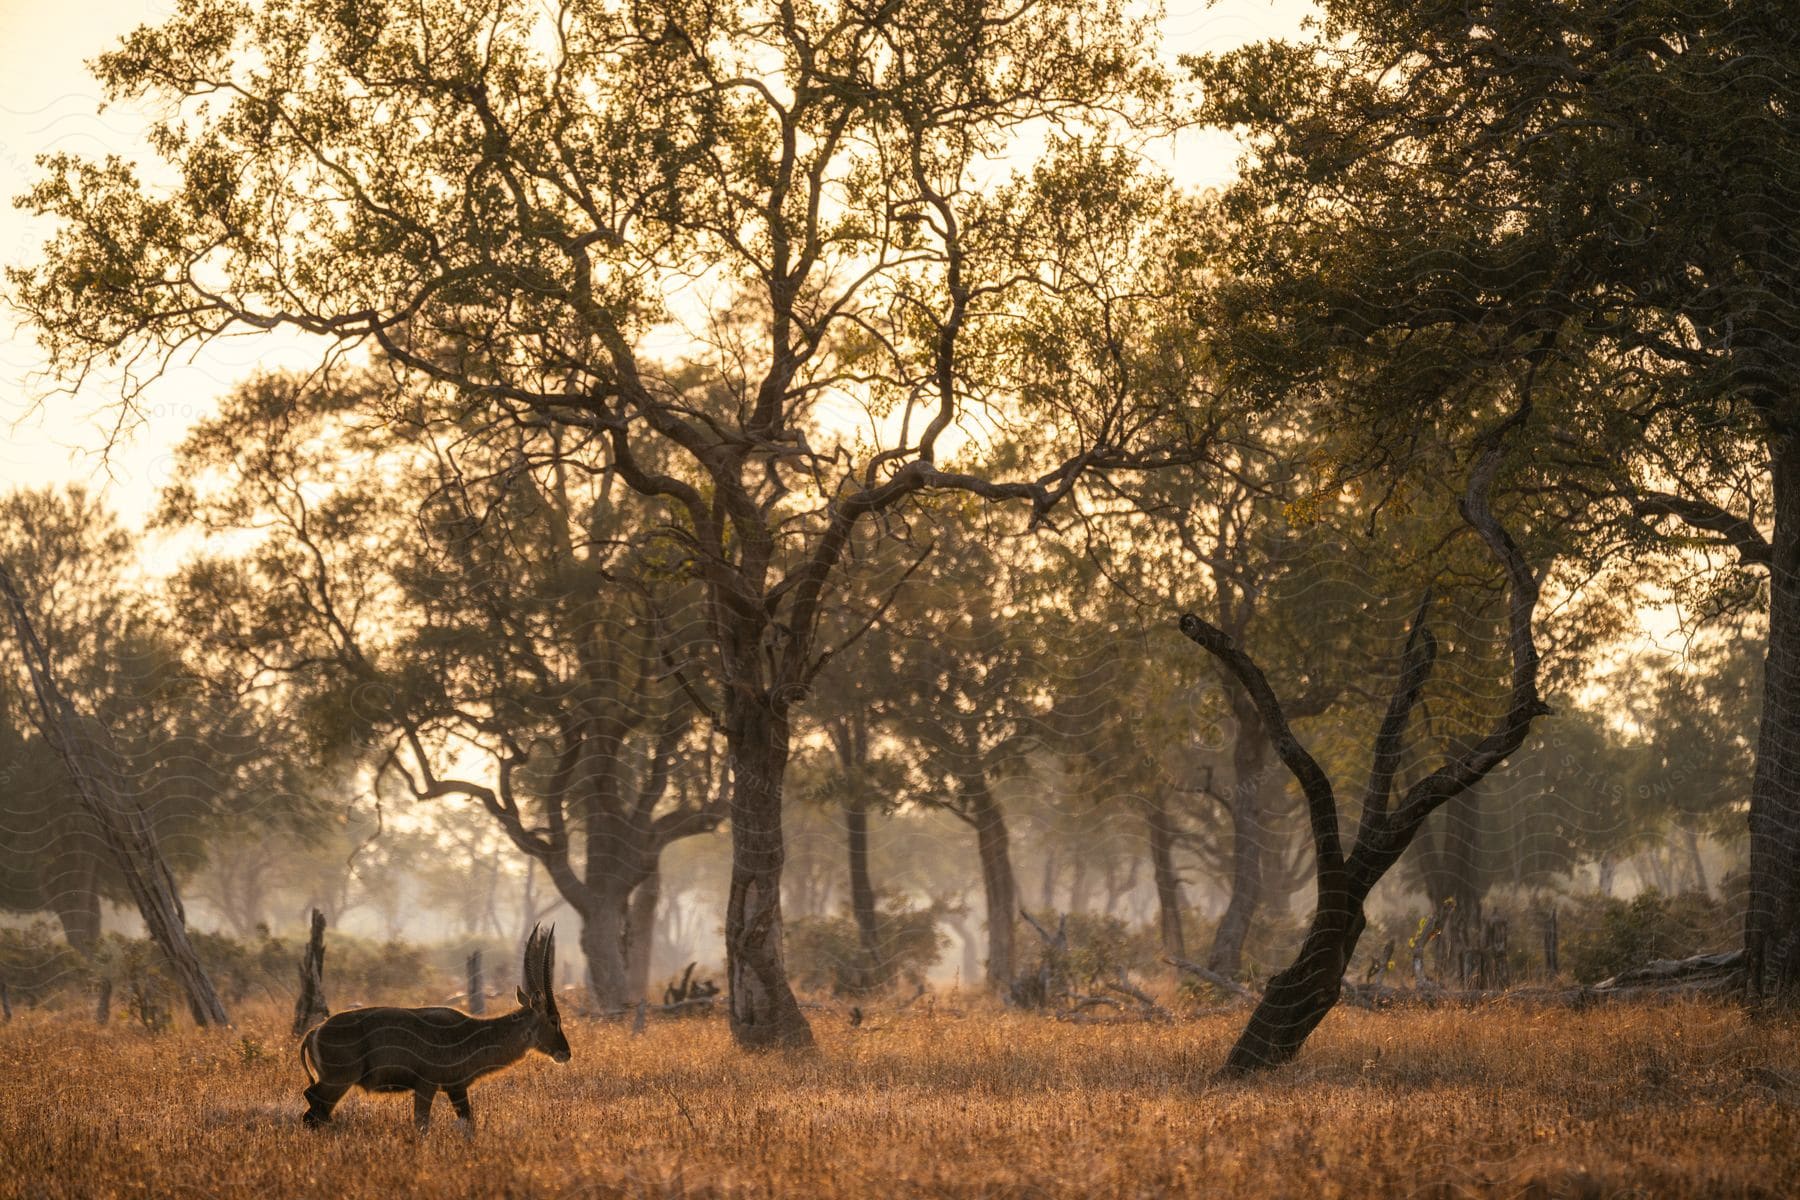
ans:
(48, 102)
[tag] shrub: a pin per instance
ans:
(37, 964)
(825, 953)
(1603, 935)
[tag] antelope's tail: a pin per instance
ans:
(309, 1055)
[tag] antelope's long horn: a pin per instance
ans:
(534, 979)
(547, 969)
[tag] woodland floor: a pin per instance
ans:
(1684, 1099)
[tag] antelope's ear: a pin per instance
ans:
(523, 998)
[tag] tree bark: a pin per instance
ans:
(992, 843)
(1772, 920)
(1160, 832)
(764, 1012)
(862, 894)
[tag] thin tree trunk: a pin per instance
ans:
(641, 934)
(763, 1009)
(88, 756)
(309, 1006)
(1160, 828)
(1772, 920)
(1078, 884)
(998, 885)
(73, 888)
(1697, 863)
(862, 893)
(1250, 840)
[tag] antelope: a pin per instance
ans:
(428, 1050)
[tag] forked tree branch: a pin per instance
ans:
(1382, 835)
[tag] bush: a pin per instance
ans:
(1603, 935)
(38, 965)
(825, 953)
(1101, 946)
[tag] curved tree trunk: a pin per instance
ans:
(1298, 998)
(862, 894)
(1772, 921)
(992, 843)
(763, 1009)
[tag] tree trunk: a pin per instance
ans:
(603, 944)
(1078, 884)
(1695, 862)
(1250, 840)
(1160, 829)
(1298, 998)
(309, 1006)
(763, 1010)
(862, 894)
(73, 890)
(1001, 890)
(1772, 921)
(640, 929)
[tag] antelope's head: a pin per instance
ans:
(539, 995)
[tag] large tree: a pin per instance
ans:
(540, 206)
(1601, 189)
(1392, 815)
(436, 592)
(196, 763)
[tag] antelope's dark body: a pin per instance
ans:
(428, 1050)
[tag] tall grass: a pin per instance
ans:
(1684, 1099)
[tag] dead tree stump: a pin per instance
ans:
(309, 1006)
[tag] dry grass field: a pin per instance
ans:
(1682, 1100)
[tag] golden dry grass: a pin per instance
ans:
(1679, 1100)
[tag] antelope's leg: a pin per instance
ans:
(422, 1097)
(321, 1098)
(459, 1100)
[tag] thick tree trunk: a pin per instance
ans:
(1772, 922)
(763, 1010)
(1250, 840)
(640, 930)
(862, 894)
(998, 884)
(1160, 832)
(603, 944)
(1298, 998)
